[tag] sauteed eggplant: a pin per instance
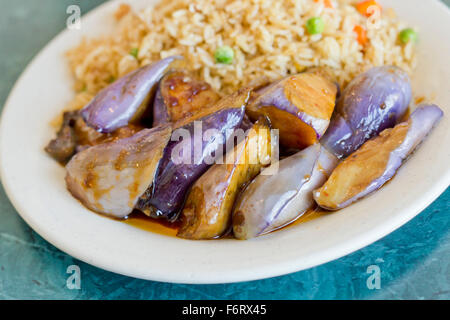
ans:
(272, 201)
(376, 162)
(109, 178)
(173, 180)
(190, 168)
(180, 95)
(126, 99)
(299, 106)
(262, 208)
(373, 101)
(207, 212)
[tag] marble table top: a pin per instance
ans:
(413, 262)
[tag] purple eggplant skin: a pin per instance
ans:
(272, 201)
(124, 100)
(373, 101)
(166, 198)
(354, 178)
(160, 112)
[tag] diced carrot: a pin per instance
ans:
(363, 7)
(327, 3)
(361, 34)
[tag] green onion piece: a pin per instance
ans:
(224, 55)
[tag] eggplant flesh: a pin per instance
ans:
(300, 106)
(75, 136)
(109, 178)
(180, 95)
(373, 101)
(377, 161)
(174, 178)
(208, 208)
(272, 201)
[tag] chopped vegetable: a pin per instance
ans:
(207, 212)
(127, 99)
(363, 7)
(377, 161)
(300, 106)
(174, 178)
(134, 52)
(361, 34)
(179, 96)
(272, 201)
(315, 25)
(224, 55)
(408, 35)
(373, 101)
(109, 178)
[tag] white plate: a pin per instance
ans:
(35, 183)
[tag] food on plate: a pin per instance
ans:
(173, 180)
(315, 25)
(207, 212)
(269, 41)
(126, 99)
(272, 201)
(408, 35)
(63, 147)
(74, 136)
(358, 108)
(236, 119)
(367, 7)
(377, 161)
(109, 178)
(180, 95)
(300, 106)
(373, 101)
(224, 55)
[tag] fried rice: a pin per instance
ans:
(268, 37)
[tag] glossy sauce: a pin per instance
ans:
(310, 215)
(160, 226)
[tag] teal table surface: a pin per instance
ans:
(412, 262)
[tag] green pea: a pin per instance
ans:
(408, 35)
(315, 25)
(134, 52)
(224, 55)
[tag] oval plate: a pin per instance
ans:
(35, 183)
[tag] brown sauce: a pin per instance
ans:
(406, 115)
(310, 215)
(160, 226)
